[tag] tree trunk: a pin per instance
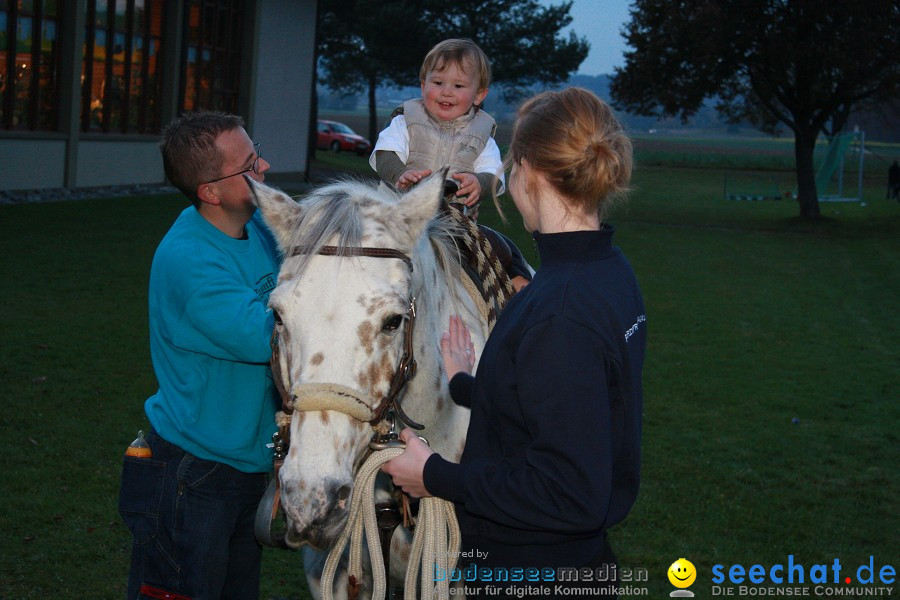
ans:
(373, 114)
(807, 196)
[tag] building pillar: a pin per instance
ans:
(171, 60)
(71, 63)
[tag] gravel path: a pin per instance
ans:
(63, 194)
(317, 175)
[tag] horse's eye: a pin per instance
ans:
(392, 324)
(278, 321)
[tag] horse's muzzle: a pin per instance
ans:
(322, 531)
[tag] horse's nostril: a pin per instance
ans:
(342, 498)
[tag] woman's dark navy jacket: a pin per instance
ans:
(552, 457)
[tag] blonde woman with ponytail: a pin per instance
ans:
(552, 457)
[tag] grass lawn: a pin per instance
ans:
(771, 383)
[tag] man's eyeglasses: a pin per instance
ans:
(254, 167)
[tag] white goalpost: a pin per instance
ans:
(844, 149)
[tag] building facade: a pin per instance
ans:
(86, 85)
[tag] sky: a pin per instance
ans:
(600, 21)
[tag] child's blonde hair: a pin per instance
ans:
(462, 52)
(575, 141)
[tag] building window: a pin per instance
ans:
(122, 70)
(29, 64)
(212, 53)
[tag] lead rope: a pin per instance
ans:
(435, 544)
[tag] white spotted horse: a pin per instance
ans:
(367, 286)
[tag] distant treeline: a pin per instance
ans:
(880, 124)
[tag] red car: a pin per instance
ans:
(338, 136)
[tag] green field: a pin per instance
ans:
(692, 149)
(772, 388)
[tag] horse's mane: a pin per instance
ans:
(334, 214)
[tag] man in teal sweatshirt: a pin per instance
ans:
(191, 506)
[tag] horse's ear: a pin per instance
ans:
(280, 212)
(418, 206)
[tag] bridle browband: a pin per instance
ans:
(358, 251)
(406, 368)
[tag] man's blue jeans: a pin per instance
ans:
(192, 526)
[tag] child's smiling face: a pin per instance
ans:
(450, 92)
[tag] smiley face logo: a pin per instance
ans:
(682, 573)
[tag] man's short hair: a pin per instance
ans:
(189, 151)
(462, 52)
